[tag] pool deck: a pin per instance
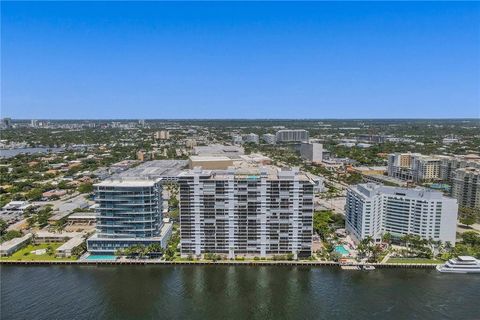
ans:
(221, 262)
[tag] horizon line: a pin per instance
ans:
(234, 119)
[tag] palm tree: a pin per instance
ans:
(387, 237)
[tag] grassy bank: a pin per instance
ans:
(25, 254)
(413, 260)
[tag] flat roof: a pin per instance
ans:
(70, 244)
(210, 158)
(80, 215)
(120, 182)
(14, 242)
(155, 169)
(242, 171)
(369, 189)
(385, 178)
(219, 149)
(47, 234)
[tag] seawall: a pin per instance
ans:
(221, 262)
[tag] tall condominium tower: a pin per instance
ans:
(372, 210)
(466, 187)
(129, 212)
(449, 164)
(245, 212)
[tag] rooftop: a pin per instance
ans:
(242, 170)
(155, 169)
(126, 182)
(371, 189)
(70, 244)
(218, 149)
(209, 158)
(14, 242)
(83, 215)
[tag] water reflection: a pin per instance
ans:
(227, 292)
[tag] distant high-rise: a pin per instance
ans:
(312, 152)
(190, 143)
(372, 210)
(6, 123)
(414, 166)
(237, 139)
(268, 138)
(291, 136)
(247, 213)
(449, 164)
(466, 187)
(252, 138)
(162, 135)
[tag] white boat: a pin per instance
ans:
(461, 264)
(368, 268)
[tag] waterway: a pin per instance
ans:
(234, 292)
(10, 153)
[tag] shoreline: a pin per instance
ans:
(225, 263)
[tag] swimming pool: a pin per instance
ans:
(101, 257)
(342, 250)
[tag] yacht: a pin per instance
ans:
(461, 264)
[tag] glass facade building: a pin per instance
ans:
(129, 212)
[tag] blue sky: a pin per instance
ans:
(240, 60)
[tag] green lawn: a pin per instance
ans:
(413, 260)
(25, 255)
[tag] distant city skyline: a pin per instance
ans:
(177, 60)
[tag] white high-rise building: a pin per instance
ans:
(312, 151)
(268, 138)
(251, 137)
(372, 210)
(241, 212)
(291, 136)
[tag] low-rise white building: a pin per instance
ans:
(65, 250)
(11, 246)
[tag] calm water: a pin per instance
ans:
(241, 292)
(9, 153)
